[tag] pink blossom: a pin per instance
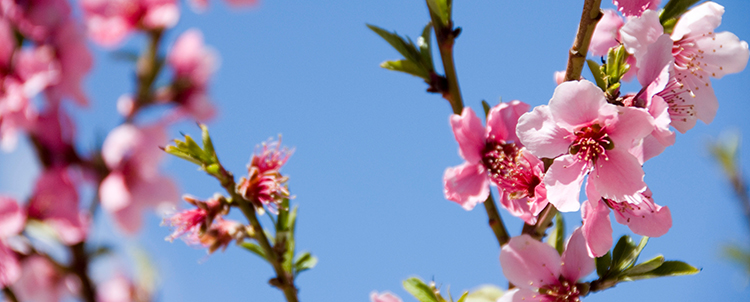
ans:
(559, 77)
(640, 214)
(495, 155)
(606, 35)
(635, 7)
(118, 289)
(540, 273)
(41, 281)
(699, 53)
(55, 201)
(264, 184)
(75, 63)
(193, 64)
(585, 134)
(384, 297)
(134, 183)
(36, 19)
(219, 235)
(193, 222)
(54, 131)
(109, 21)
(10, 270)
(12, 220)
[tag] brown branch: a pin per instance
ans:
(577, 56)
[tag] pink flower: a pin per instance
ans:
(109, 21)
(540, 273)
(585, 134)
(75, 62)
(606, 35)
(219, 235)
(192, 223)
(699, 53)
(264, 184)
(10, 270)
(635, 7)
(41, 281)
(640, 214)
(193, 65)
(134, 183)
(36, 19)
(118, 289)
(53, 129)
(495, 155)
(384, 297)
(12, 220)
(55, 201)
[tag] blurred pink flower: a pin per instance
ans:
(219, 235)
(53, 129)
(41, 281)
(109, 21)
(135, 183)
(75, 63)
(36, 19)
(635, 7)
(201, 5)
(193, 222)
(10, 270)
(495, 155)
(640, 214)
(55, 201)
(118, 289)
(540, 273)
(264, 184)
(12, 220)
(586, 134)
(383, 297)
(699, 53)
(193, 64)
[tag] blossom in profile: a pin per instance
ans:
(540, 273)
(194, 222)
(55, 201)
(494, 155)
(640, 214)
(384, 297)
(42, 281)
(699, 54)
(110, 21)
(219, 235)
(134, 183)
(635, 7)
(585, 134)
(264, 184)
(193, 64)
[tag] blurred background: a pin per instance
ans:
(371, 148)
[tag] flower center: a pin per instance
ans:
(591, 143)
(564, 291)
(509, 170)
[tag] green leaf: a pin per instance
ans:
(668, 268)
(622, 252)
(181, 154)
(603, 264)
(596, 70)
(419, 290)
(674, 9)
(406, 67)
(486, 108)
(304, 262)
(255, 249)
(406, 49)
(442, 9)
(425, 47)
(645, 267)
(557, 237)
(463, 297)
(208, 146)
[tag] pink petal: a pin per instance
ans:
(384, 297)
(157, 192)
(108, 31)
(632, 125)
(40, 281)
(657, 58)
(502, 120)
(576, 260)
(161, 16)
(7, 43)
(521, 295)
(606, 33)
(701, 19)
(466, 184)
(646, 218)
(114, 192)
(563, 181)
(618, 177)
(118, 289)
(470, 135)
(71, 232)
(12, 217)
(597, 229)
(576, 103)
(701, 95)
(638, 33)
(119, 143)
(723, 53)
(130, 218)
(529, 263)
(635, 7)
(540, 134)
(10, 271)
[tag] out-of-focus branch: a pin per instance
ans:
(9, 294)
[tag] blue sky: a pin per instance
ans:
(372, 146)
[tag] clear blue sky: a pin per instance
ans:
(371, 148)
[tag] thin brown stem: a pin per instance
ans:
(80, 268)
(9, 294)
(496, 223)
(538, 230)
(147, 69)
(284, 280)
(577, 56)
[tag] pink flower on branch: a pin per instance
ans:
(606, 35)
(219, 235)
(135, 183)
(585, 134)
(194, 222)
(55, 201)
(42, 281)
(495, 155)
(264, 185)
(12, 221)
(540, 273)
(109, 21)
(635, 7)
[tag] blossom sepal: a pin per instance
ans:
(189, 150)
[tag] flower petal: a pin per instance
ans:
(701, 19)
(606, 33)
(658, 56)
(618, 177)
(576, 103)
(12, 217)
(502, 120)
(638, 33)
(466, 184)
(597, 229)
(384, 297)
(563, 182)
(529, 263)
(540, 135)
(470, 134)
(645, 218)
(576, 262)
(723, 53)
(114, 192)
(520, 295)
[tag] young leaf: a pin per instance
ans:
(406, 67)
(406, 49)
(674, 9)
(622, 252)
(596, 70)
(486, 293)
(255, 249)
(645, 267)
(557, 236)
(425, 47)
(668, 268)
(304, 262)
(603, 264)
(442, 9)
(419, 290)
(463, 297)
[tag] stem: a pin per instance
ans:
(538, 230)
(9, 294)
(445, 37)
(577, 56)
(496, 223)
(147, 69)
(80, 268)
(284, 280)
